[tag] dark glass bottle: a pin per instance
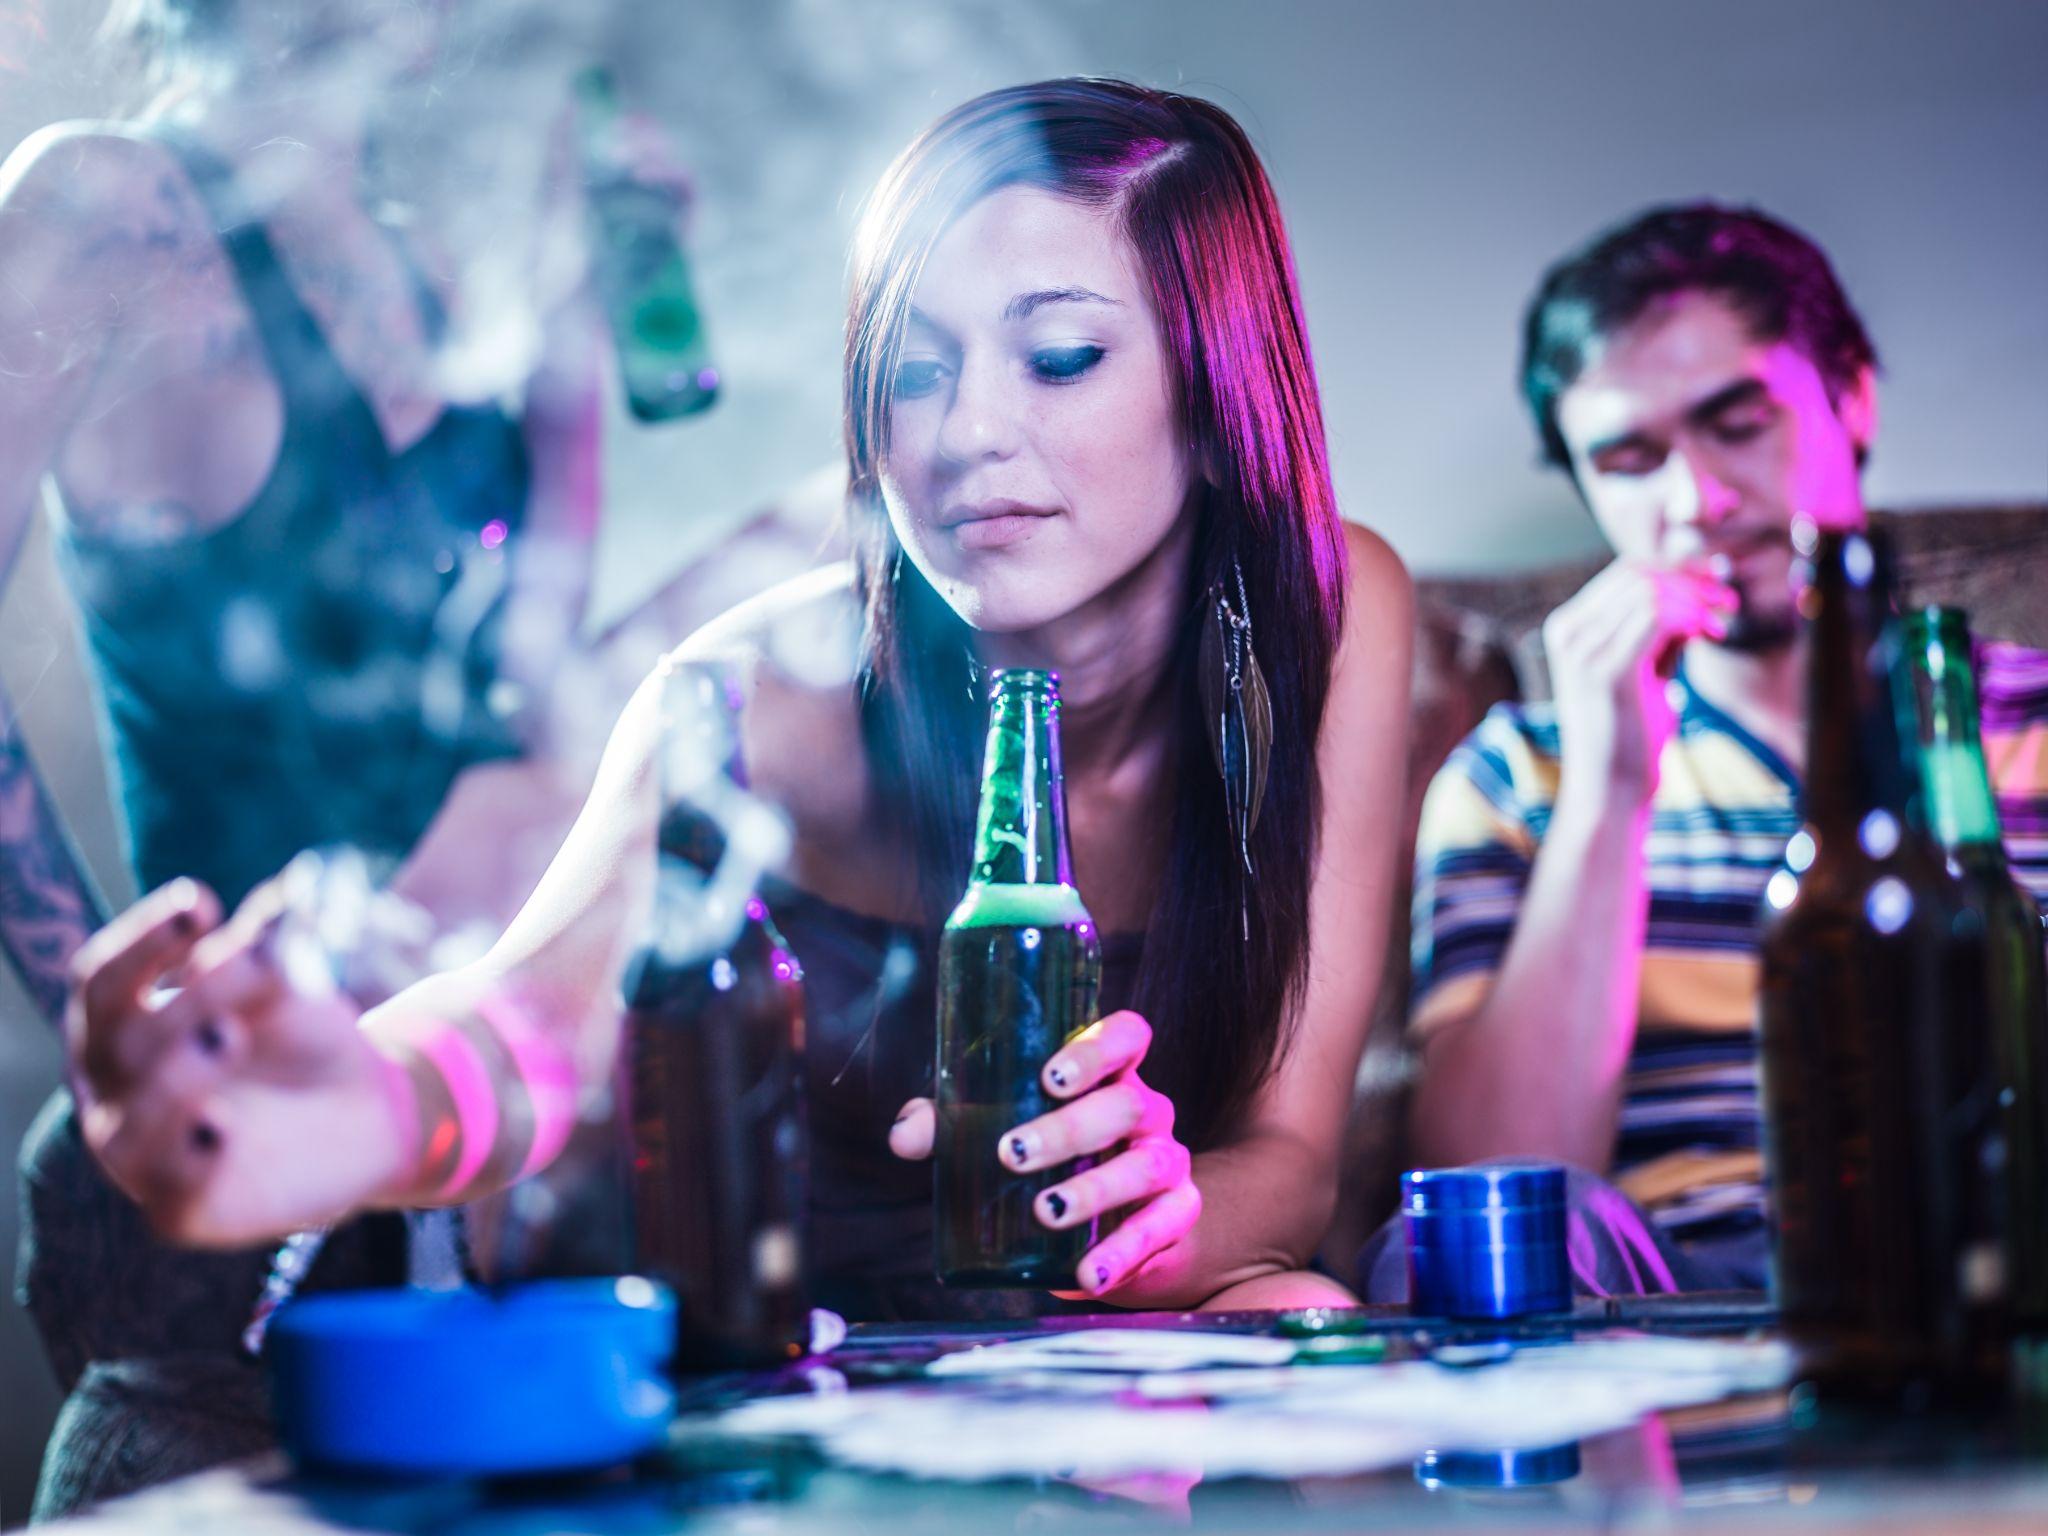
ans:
(2009, 1205)
(1020, 966)
(713, 1066)
(1870, 1067)
(640, 272)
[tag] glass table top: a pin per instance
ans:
(1746, 1459)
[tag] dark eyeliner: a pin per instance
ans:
(1060, 365)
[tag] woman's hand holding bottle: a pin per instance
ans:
(1110, 1114)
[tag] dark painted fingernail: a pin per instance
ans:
(1059, 1074)
(210, 1039)
(185, 921)
(1056, 1203)
(205, 1138)
(1102, 1277)
(1020, 1150)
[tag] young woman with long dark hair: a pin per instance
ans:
(1082, 425)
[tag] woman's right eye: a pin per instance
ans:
(918, 376)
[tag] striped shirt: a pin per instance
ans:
(1688, 1146)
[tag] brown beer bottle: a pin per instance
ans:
(2009, 1201)
(712, 1067)
(1870, 1063)
(1019, 968)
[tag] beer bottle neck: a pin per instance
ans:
(1855, 756)
(1960, 806)
(1020, 831)
(715, 841)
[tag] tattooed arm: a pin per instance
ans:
(56, 312)
(47, 905)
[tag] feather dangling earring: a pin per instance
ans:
(1239, 713)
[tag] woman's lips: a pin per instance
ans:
(999, 531)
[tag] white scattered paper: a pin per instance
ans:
(1116, 1349)
(930, 1433)
(1254, 1419)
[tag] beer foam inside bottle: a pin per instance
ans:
(1036, 906)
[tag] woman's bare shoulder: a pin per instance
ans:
(93, 216)
(1379, 611)
(97, 178)
(1370, 679)
(807, 626)
(1377, 576)
(789, 658)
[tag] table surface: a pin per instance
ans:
(1739, 1464)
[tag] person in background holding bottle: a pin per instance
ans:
(324, 602)
(1082, 430)
(1589, 872)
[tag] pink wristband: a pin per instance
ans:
(549, 1076)
(462, 1068)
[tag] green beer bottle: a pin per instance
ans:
(1019, 969)
(1873, 1066)
(639, 272)
(2008, 1266)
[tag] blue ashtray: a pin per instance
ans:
(551, 1376)
(1487, 1243)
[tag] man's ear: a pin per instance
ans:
(1856, 405)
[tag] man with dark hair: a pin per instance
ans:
(1589, 871)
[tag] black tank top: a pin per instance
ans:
(319, 669)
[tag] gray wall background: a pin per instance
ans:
(1431, 156)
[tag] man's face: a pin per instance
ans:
(1696, 444)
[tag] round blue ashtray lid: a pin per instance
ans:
(1483, 1187)
(550, 1376)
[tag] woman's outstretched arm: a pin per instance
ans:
(236, 1098)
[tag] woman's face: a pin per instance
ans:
(1035, 454)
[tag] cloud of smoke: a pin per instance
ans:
(784, 111)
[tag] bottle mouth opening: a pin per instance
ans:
(1024, 680)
